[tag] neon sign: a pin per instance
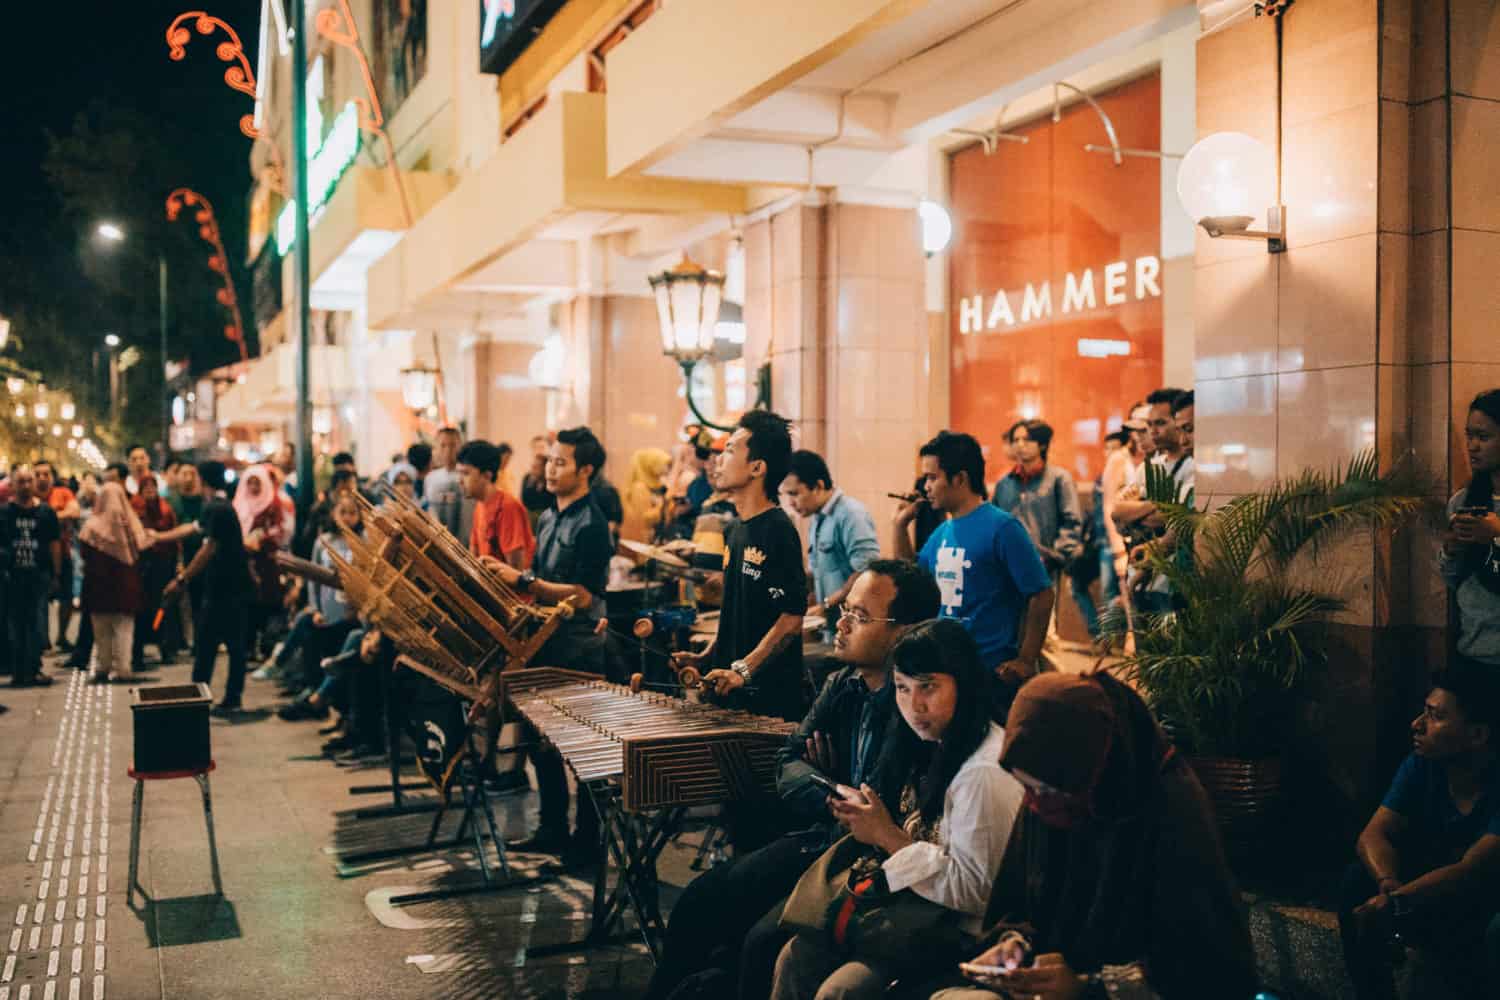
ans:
(327, 165)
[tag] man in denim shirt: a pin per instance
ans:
(728, 916)
(842, 541)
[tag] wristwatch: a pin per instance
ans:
(742, 668)
(525, 580)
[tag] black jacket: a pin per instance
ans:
(835, 713)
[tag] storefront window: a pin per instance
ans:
(1056, 279)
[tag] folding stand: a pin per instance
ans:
(635, 842)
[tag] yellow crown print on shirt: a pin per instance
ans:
(754, 556)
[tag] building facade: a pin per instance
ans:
(549, 157)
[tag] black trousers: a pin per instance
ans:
(25, 608)
(1467, 943)
(221, 624)
(727, 917)
(575, 652)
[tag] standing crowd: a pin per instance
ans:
(953, 818)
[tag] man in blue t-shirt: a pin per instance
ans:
(1429, 859)
(987, 567)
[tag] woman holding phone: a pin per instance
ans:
(1470, 562)
(948, 832)
(1115, 879)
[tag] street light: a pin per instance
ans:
(111, 340)
(114, 234)
(419, 387)
(4, 332)
(688, 301)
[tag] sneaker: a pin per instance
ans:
(338, 745)
(266, 673)
(42, 680)
(301, 709)
(336, 726)
(98, 678)
(226, 710)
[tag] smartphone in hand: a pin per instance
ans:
(837, 790)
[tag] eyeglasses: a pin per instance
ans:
(859, 617)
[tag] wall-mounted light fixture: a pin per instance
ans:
(419, 387)
(937, 227)
(1226, 183)
(549, 364)
(688, 301)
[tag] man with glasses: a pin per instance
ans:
(726, 919)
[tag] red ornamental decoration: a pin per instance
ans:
(338, 26)
(208, 229)
(239, 75)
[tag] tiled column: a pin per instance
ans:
(834, 298)
(504, 406)
(1440, 84)
(1308, 357)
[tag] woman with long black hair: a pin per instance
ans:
(954, 811)
(1470, 562)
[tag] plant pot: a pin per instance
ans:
(1246, 796)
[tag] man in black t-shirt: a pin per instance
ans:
(757, 655)
(227, 589)
(30, 541)
(572, 563)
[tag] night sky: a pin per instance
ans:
(57, 58)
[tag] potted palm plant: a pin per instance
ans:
(1223, 668)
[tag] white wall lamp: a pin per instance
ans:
(937, 227)
(1226, 183)
(419, 387)
(548, 364)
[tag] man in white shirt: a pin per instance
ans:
(138, 460)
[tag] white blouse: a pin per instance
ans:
(979, 812)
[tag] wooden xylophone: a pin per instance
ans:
(662, 752)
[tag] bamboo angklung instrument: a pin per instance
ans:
(452, 619)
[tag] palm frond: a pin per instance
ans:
(1222, 667)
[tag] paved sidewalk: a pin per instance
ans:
(289, 924)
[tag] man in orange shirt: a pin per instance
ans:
(65, 505)
(501, 528)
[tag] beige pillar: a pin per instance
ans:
(835, 299)
(1353, 337)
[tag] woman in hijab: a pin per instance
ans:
(267, 528)
(111, 544)
(1115, 878)
(158, 564)
(402, 477)
(645, 494)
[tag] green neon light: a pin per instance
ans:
(324, 169)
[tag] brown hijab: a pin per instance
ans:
(1142, 876)
(113, 528)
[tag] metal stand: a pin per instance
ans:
(137, 809)
(476, 804)
(634, 842)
